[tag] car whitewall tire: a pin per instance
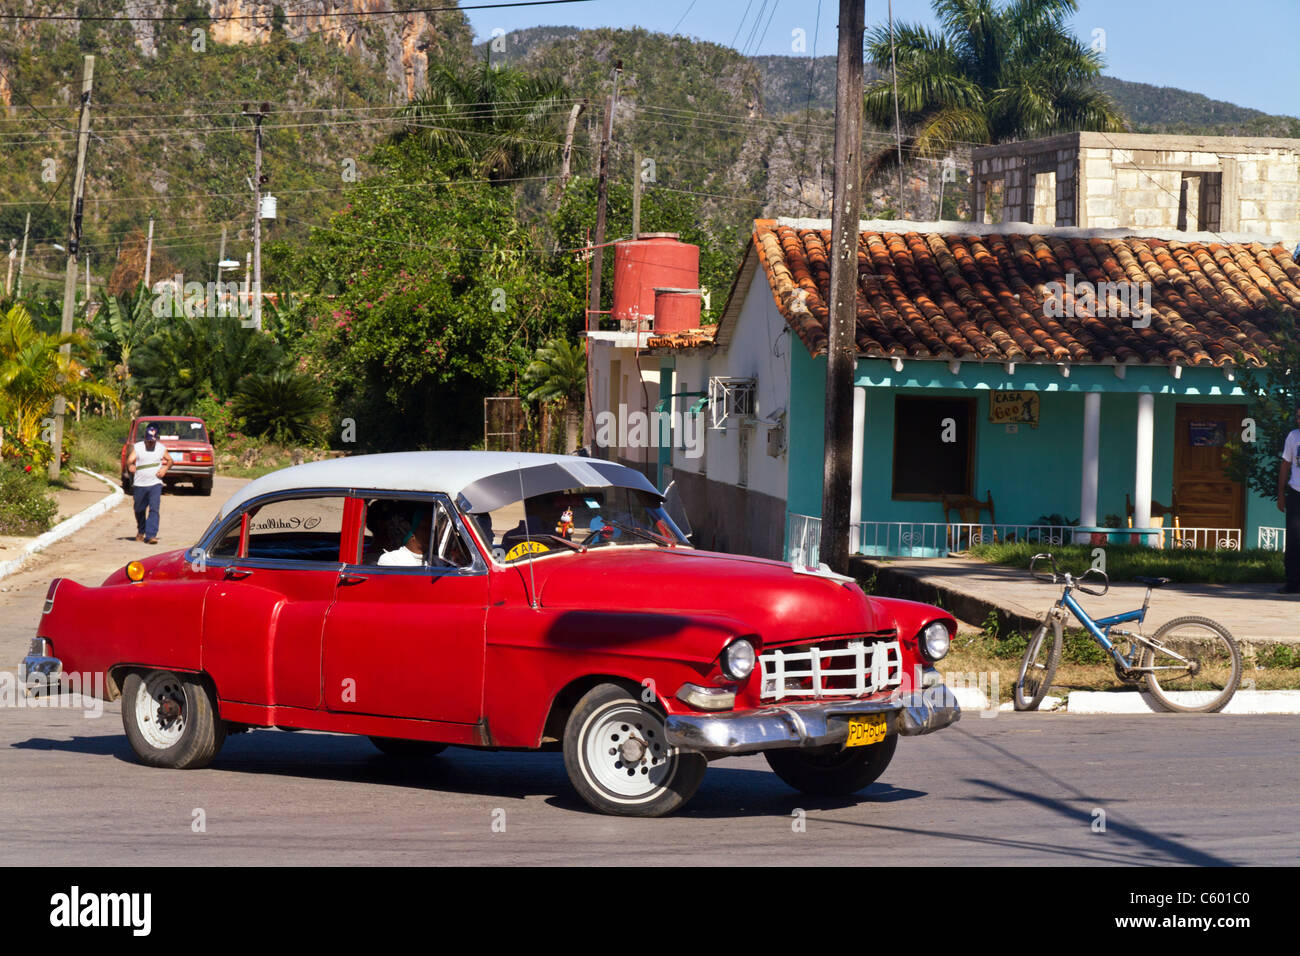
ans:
(618, 759)
(171, 719)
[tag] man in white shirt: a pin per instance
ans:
(1288, 501)
(413, 533)
(147, 463)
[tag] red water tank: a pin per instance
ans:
(657, 260)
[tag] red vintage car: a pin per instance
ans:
(500, 601)
(187, 440)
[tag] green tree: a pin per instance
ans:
(122, 324)
(423, 296)
(559, 373)
(281, 406)
(1273, 393)
(187, 359)
(33, 373)
(990, 74)
(501, 121)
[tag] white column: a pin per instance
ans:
(855, 482)
(1145, 446)
(1091, 461)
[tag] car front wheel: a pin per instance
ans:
(171, 720)
(619, 761)
(832, 771)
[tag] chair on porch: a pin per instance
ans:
(968, 510)
(1158, 513)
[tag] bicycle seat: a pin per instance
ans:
(1153, 582)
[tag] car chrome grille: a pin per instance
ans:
(850, 667)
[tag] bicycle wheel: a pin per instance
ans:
(1206, 680)
(1039, 665)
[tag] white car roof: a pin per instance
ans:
(447, 471)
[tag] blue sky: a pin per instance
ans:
(1243, 51)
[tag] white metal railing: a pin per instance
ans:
(1272, 539)
(855, 668)
(933, 539)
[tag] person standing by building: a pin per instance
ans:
(1288, 501)
(148, 463)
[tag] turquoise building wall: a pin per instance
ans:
(1031, 473)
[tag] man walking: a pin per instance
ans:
(147, 463)
(1288, 501)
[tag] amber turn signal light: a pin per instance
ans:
(135, 571)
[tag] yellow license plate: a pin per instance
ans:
(866, 729)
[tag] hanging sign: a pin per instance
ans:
(1018, 408)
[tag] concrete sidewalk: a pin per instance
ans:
(970, 588)
(83, 492)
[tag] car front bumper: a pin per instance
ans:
(39, 674)
(817, 724)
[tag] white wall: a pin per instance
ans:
(760, 349)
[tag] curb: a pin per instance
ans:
(1243, 702)
(1101, 702)
(66, 527)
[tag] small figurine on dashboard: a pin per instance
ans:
(565, 528)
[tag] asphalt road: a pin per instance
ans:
(1015, 789)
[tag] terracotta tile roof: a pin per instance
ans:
(685, 339)
(981, 297)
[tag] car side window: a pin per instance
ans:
(227, 546)
(297, 529)
(412, 532)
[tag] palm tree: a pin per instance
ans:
(121, 326)
(185, 359)
(504, 121)
(33, 372)
(559, 370)
(990, 74)
(281, 406)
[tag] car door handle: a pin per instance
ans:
(237, 574)
(348, 578)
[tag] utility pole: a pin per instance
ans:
(148, 256)
(636, 194)
(257, 118)
(22, 260)
(602, 188)
(566, 155)
(841, 353)
(9, 277)
(74, 241)
(221, 257)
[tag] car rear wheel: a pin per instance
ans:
(619, 761)
(832, 771)
(203, 486)
(407, 749)
(171, 720)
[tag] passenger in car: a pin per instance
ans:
(412, 530)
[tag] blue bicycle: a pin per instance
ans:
(1190, 665)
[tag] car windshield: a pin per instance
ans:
(172, 430)
(583, 517)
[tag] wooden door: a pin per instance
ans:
(1207, 497)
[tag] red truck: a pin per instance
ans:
(187, 440)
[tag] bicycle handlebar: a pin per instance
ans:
(1055, 575)
(1048, 577)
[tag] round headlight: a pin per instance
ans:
(738, 659)
(935, 641)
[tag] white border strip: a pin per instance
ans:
(67, 526)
